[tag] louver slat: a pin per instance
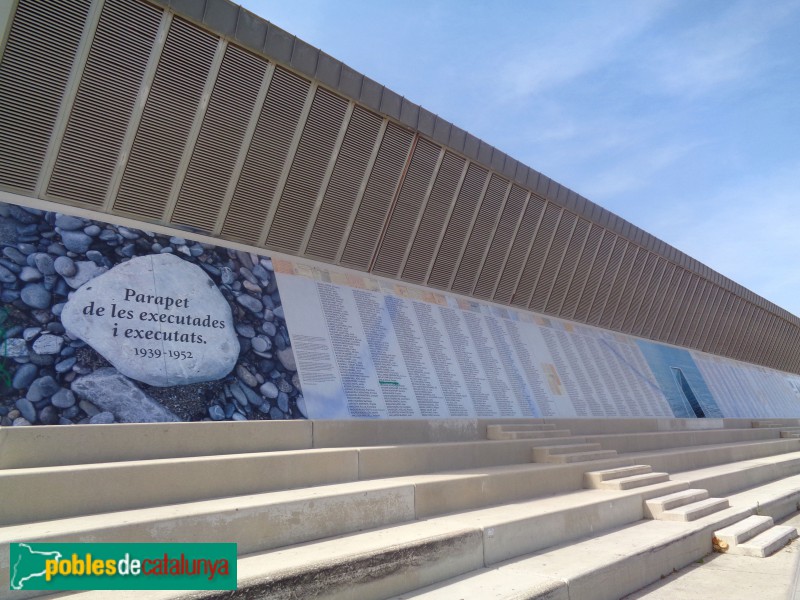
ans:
(378, 195)
(460, 219)
(618, 285)
(643, 286)
(433, 218)
(519, 249)
(657, 312)
(500, 242)
(552, 262)
(533, 266)
(266, 157)
(307, 172)
(624, 304)
(579, 279)
(566, 272)
(104, 102)
(220, 139)
(595, 275)
(607, 280)
(480, 236)
(36, 64)
(166, 121)
(346, 179)
(406, 209)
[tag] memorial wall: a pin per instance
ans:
(104, 323)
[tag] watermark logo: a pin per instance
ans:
(122, 566)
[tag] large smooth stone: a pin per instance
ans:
(110, 391)
(158, 319)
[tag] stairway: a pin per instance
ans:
(570, 449)
(376, 510)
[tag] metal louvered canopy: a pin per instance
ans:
(192, 117)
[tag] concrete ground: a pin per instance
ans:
(734, 577)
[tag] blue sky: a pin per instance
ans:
(681, 116)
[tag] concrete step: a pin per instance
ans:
(574, 457)
(634, 481)
(605, 567)
(593, 478)
(516, 427)
(740, 532)
(790, 433)
(766, 543)
(382, 562)
(541, 452)
(532, 435)
(694, 510)
(765, 424)
(655, 507)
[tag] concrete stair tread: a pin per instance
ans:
(740, 532)
(521, 427)
(557, 571)
(679, 498)
(580, 456)
(618, 472)
(766, 543)
(537, 435)
(633, 481)
(695, 510)
(566, 448)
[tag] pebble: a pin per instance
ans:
(127, 233)
(269, 390)
(63, 398)
(44, 262)
(65, 266)
(6, 276)
(226, 275)
(26, 409)
(102, 418)
(278, 312)
(69, 223)
(283, 402)
(41, 388)
(35, 295)
(89, 408)
(24, 376)
(286, 357)
(30, 274)
(237, 416)
(20, 422)
(96, 257)
(48, 416)
(48, 344)
(245, 330)
(31, 332)
(15, 255)
(76, 241)
(92, 230)
(238, 393)
(65, 365)
(246, 376)
(252, 304)
(14, 348)
(216, 412)
(269, 328)
(261, 344)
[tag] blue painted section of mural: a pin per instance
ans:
(680, 380)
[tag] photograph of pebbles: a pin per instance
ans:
(57, 370)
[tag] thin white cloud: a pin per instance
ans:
(718, 51)
(552, 59)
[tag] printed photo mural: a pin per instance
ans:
(102, 323)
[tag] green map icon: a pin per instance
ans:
(27, 564)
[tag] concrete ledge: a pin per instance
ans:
(49, 446)
(27, 495)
